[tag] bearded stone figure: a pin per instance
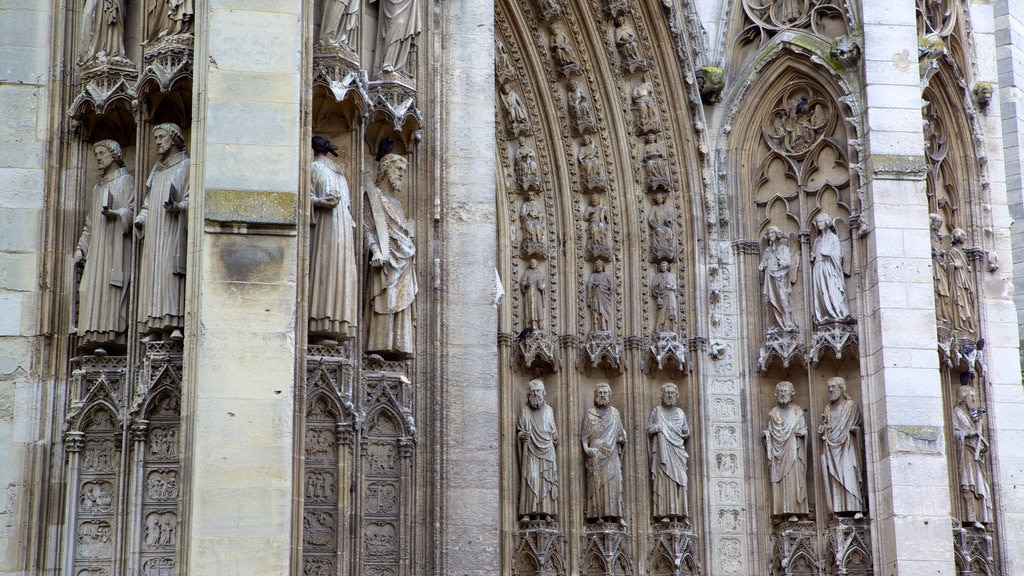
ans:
(392, 279)
(341, 17)
(102, 31)
(828, 278)
(961, 283)
(840, 459)
(786, 442)
(333, 275)
(668, 431)
(398, 24)
(162, 224)
(538, 436)
(603, 436)
(105, 249)
(971, 448)
(776, 287)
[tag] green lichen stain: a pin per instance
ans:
(250, 207)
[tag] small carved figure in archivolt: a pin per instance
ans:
(646, 108)
(341, 17)
(840, 459)
(666, 307)
(581, 111)
(828, 273)
(333, 274)
(538, 469)
(170, 18)
(596, 219)
(105, 249)
(786, 443)
(663, 239)
(562, 51)
(515, 110)
(533, 284)
(779, 275)
(940, 274)
(548, 9)
(527, 168)
(391, 284)
(971, 448)
(625, 40)
(398, 25)
(600, 298)
(668, 431)
(961, 283)
(655, 164)
(531, 216)
(591, 167)
(504, 67)
(103, 31)
(162, 224)
(603, 436)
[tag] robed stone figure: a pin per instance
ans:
(971, 448)
(340, 19)
(961, 283)
(668, 431)
(105, 249)
(102, 31)
(398, 24)
(840, 458)
(827, 274)
(538, 435)
(602, 436)
(779, 276)
(786, 442)
(162, 225)
(392, 285)
(333, 275)
(533, 284)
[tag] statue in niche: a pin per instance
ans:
(538, 469)
(646, 108)
(668, 432)
(531, 216)
(943, 302)
(625, 40)
(392, 285)
(102, 31)
(398, 24)
(971, 447)
(340, 19)
(527, 168)
(663, 289)
(603, 436)
(779, 276)
(548, 8)
(663, 239)
(515, 109)
(961, 282)
(600, 293)
(333, 274)
(827, 274)
(596, 219)
(162, 223)
(840, 459)
(786, 442)
(591, 170)
(581, 111)
(562, 51)
(533, 284)
(655, 164)
(170, 18)
(105, 248)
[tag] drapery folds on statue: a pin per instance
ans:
(538, 435)
(668, 431)
(840, 459)
(786, 442)
(602, 436)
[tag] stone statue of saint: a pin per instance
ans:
(600, 292)
(786, 442)
(663, 238)
(170, 18)
(398, 24)
(591, 170)
(581, 111)
(515, 109)
(625, 40)
(943, 305)
(961, 282)
(538, 435)
(162, 223)
(668, 431)
(666, 307)
(531, 216)
(527, 169)
(828, 278)
(102, 31)
(602, 436)
(646, 108)
(779, 276)
(840, 459)
(533, 284)
(655, 164)
(596, 219)
(333, 274)
(562, 51)
(392, 279)
(341, 17)
(105, 248)
(971, 447)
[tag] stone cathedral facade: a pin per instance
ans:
(523, 287)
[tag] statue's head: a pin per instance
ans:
(113, 149)
(967, 396)
(958, 236)
(168, 136)
(785, 391)
(602, 395)
(836, 388)
(392, 167)
(936, 221)
(669, 394)
(773, 234)
(535, 397)
(823, 221)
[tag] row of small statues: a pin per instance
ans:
(102, 34)
(104, 251)
(603, 436)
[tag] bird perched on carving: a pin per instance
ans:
(801, 105)
(526, 333)
(385, 147)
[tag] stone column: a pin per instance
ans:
(903, 419)
(463, 123)
(248, 144)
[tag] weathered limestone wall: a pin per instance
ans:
(240, 329)
(24, 131)
(1009, 99)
